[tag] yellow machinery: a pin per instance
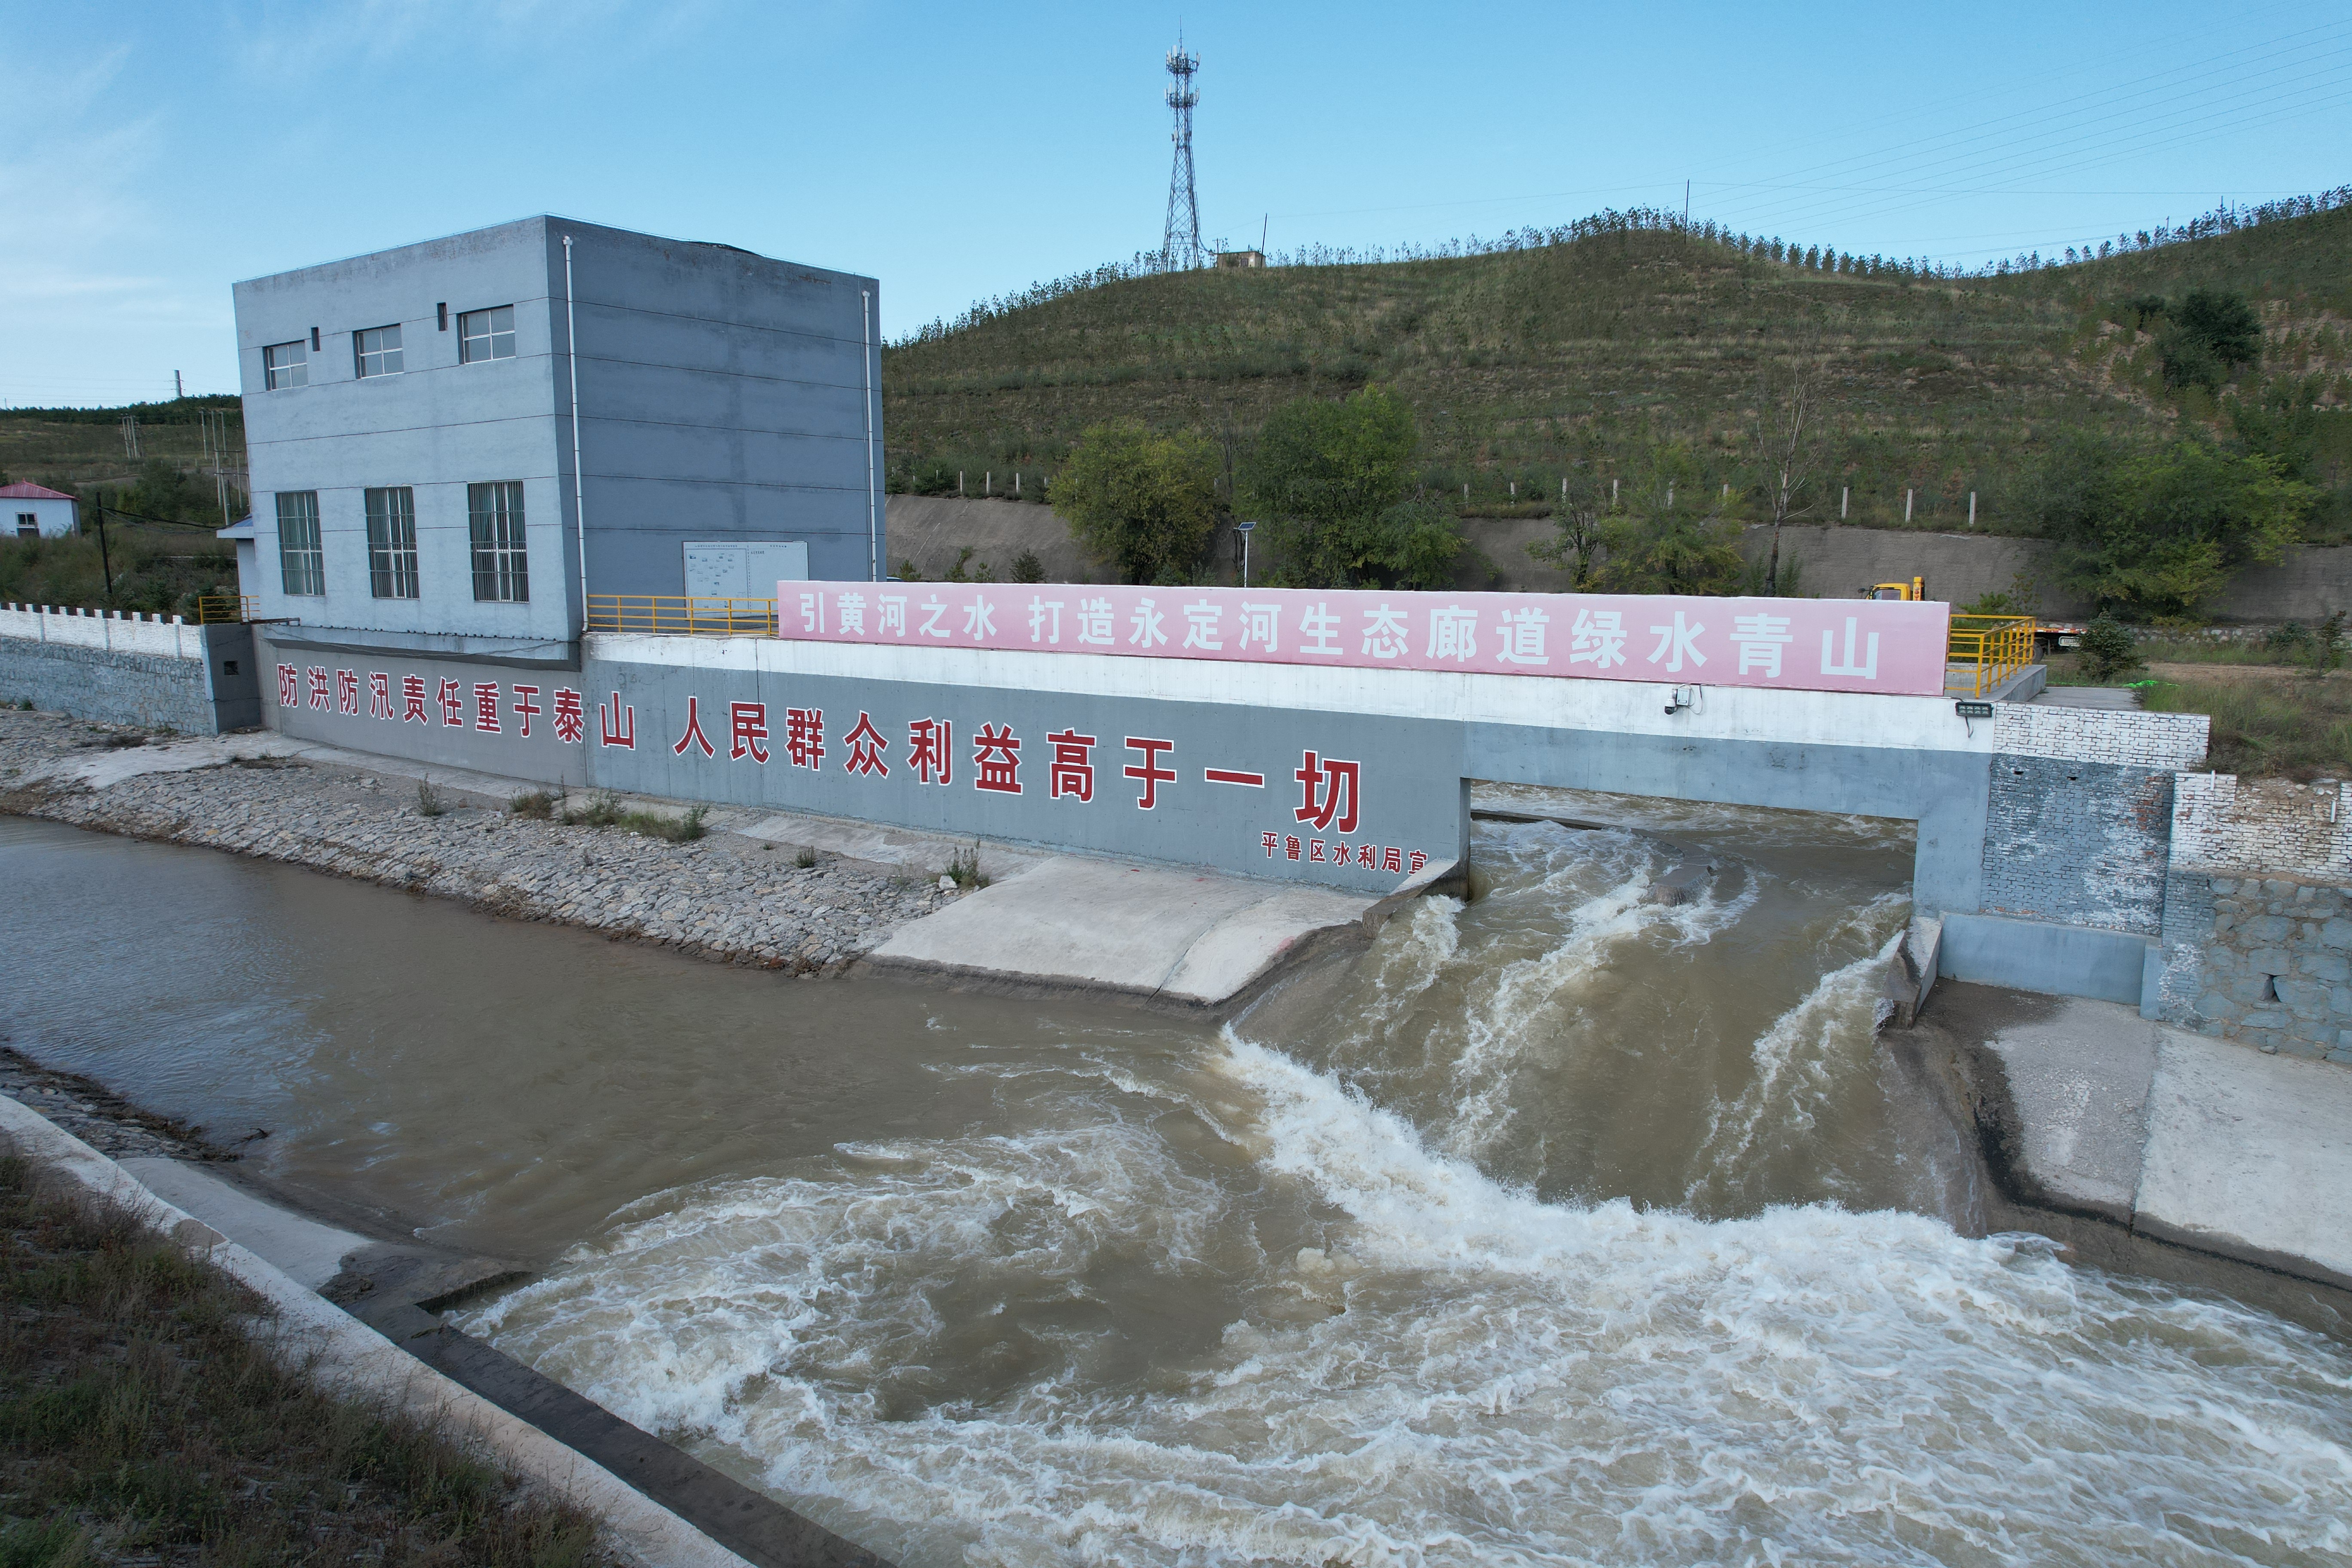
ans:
(1915, 589)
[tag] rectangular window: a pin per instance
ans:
(486, 334)
(299, 558)
(285, 365)
(500, 570)
(378, 350)
(28, 525)
(392, 543)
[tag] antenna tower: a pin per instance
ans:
(1181, 245)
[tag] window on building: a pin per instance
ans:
(286, 364)
(486, 334)
(300, 561)
(378, 349)
(501, 573)
(28, 525)
(392, 543)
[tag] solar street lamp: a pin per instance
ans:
(1244, 530)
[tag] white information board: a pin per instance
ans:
(742, 568)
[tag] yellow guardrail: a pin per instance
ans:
(677, 616)
(223, 609)
(1986, 650)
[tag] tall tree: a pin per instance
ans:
(1786, 438)
(1146, 504)
(1329, 480)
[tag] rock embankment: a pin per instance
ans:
(722, 897)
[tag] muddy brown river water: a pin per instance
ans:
(1561, 1225)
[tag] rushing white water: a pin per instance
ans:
(1340, 1294)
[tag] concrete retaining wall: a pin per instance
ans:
(1836, 562)
(208, 690)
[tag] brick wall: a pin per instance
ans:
(2077, 843)
(2168, 742)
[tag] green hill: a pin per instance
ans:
(1623, 335)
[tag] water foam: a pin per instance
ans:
(1454, 1372)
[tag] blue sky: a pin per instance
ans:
(153, 154)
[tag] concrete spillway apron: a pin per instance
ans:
(662, 1505)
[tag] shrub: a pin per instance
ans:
(1027, 568)
(2107, 648)
(428, 800)
(538, 805)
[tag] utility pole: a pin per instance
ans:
(178, 391)
(105, 561)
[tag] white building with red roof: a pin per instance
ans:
(30, 511)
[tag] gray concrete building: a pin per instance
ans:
(410, 416)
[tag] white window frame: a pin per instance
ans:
(301, 551)
(486, 334)
(376, 351)
(285, 365)
(392, 543)
(502, 561)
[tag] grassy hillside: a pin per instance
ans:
(1522, 362)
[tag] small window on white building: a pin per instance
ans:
(486, 334)
(301, 562)
(28, 525)
(285, 365)
(502, 569)
(378, 351)
(392, 543)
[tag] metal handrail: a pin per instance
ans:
(225, 609)
(676, 615)
(1990, 648)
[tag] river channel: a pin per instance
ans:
(1563, 1224)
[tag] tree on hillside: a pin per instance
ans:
(1330, 479)
(2208, 338)
(1785, 437)
(1577, 520)
(2159, 533)
(1145, 503)
(1658, 546)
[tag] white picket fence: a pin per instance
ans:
(133, 633)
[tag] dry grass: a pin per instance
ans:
(1520, 364)
(2290, 727)
(140, 1424)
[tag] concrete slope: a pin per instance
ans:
(1190, 938)
(2198, 1142)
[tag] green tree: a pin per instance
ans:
(2208, 337)
(1330, 479)
(1146, 504)
(1577, 520)
(1673, 536)
(2161, 533)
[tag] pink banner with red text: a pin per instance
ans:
(1805, 644)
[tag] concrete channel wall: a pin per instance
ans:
(2049, 824)
(2066, 849)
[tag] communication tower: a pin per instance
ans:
(1181, 245)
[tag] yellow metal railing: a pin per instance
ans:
(223, 609)
(1986, 650)
(676, 616)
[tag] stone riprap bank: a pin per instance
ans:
(723, 896)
